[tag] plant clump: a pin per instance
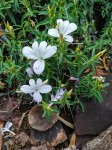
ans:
(52, 51)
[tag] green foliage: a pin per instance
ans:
(24, 21)
(89, 87)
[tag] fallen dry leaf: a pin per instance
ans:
(100, 72)
(104, 62)
(2, 85)
(72, 140)
(2, 32)
(6, 107)
(41, 147)
(22, 118)
(70, 125)
(1, 126)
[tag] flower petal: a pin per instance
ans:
(29, 71)
(29, 53)
(66, 24)
(59, 94)
(52, 97)
(39, 83)
(3, 130)
(69, 38)
(42, 45)
(45, 89)
(32, 84)
(8, 125)
(26, 89)
(37, 97)
(59, 21)
(61, 25)
(53, 32)
(72, 27)
(35, 46)
(49, 51)
(39, 66)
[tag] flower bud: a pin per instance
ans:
(98, 55)
(49, 11)
(63, 85)
(54, 17)
(61, 38)
(11, 30)
(45, 82)
(69, 92)
(59, 2)
(100, 87)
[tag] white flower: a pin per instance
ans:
(100, 78)
(58, 96)
(29, 71)
(39, 53)
(7, 127)
(36, 88)
(64, 29)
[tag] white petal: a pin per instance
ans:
(61, 25)
(26, 89)
(49, 51)
(8, 125)
(3, 130)
(59, 21)
(53, 32)
(35, 46)
(29, 53)
(45, 89)
(52, 97)
(62, 91)
(39, 66)
(72, 27)
(59, 94)
(32, 83)
(37, 97)
(29, 71)
(66, 24)
(69, 38)
(39, 83)
(42, 45)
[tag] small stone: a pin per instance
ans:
(101, 142)
(97, 116)
(38, 122)
(51, 137)
(41, 147)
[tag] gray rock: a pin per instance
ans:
(101, 142)
(51, 137)
(97, 117)
(38, 122)
(81, 140)
(41, 147)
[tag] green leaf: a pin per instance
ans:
(11, 17)
(60, 58)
